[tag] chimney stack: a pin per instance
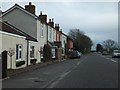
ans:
(57, 27)
(51, 23)
(30, 8)
(61, 30)
(43, 18)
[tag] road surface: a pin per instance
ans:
(91, 71)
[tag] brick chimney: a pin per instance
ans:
(43, 18)
(30, 8)
(57, 27)
(61, 30)
(51, 23)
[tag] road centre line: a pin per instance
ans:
(113, 60)
(58, 80)
(65, 74)
(109, 59)
(78, 63)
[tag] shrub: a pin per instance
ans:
(47, 55)
(33, 61)
(20, 63)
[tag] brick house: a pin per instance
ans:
(26, 20)
(70, 43)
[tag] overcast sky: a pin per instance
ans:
(98, 19)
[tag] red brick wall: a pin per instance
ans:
(70, 43)
(58, 35)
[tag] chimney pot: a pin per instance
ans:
(30, 8)
(52, 20)
(30, 3)
(40, 12)
(43, 18)
(51, 23)
(49, 20)
(57, 27)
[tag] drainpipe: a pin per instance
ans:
(27, 52)
(47, 34)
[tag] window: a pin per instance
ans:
(41, 52)
(53, 52)
(42, 31)
(18, 51)
(32, 51)
(54, 35)
(50, 35)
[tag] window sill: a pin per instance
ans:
(19, 60)
(42, 37)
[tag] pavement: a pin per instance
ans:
(90, 71)
(12, 72)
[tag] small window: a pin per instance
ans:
(53, 52)
(42, 31)
(50, 35)
(32, 51)
(18, 51)
(41, 52)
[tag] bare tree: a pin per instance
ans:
(108, 44)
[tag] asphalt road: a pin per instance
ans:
(91, 71)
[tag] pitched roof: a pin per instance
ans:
(6, 27)
(19, 7)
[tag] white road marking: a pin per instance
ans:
(78, 63)
(113, 60)
(109, 59)
(60, 78)
(63, 75)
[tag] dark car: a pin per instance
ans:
(104, 53)
(75, 54)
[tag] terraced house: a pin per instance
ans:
(17, 44)
(25, 21)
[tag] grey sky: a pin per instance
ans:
(99, 20)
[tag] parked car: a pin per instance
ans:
(116, 53)
(104, 53)
(75, 54)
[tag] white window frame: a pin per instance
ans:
(53, 52)
(50, 34)
(19, 56)
(33, 51)
(41, 49)
(42, 31)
